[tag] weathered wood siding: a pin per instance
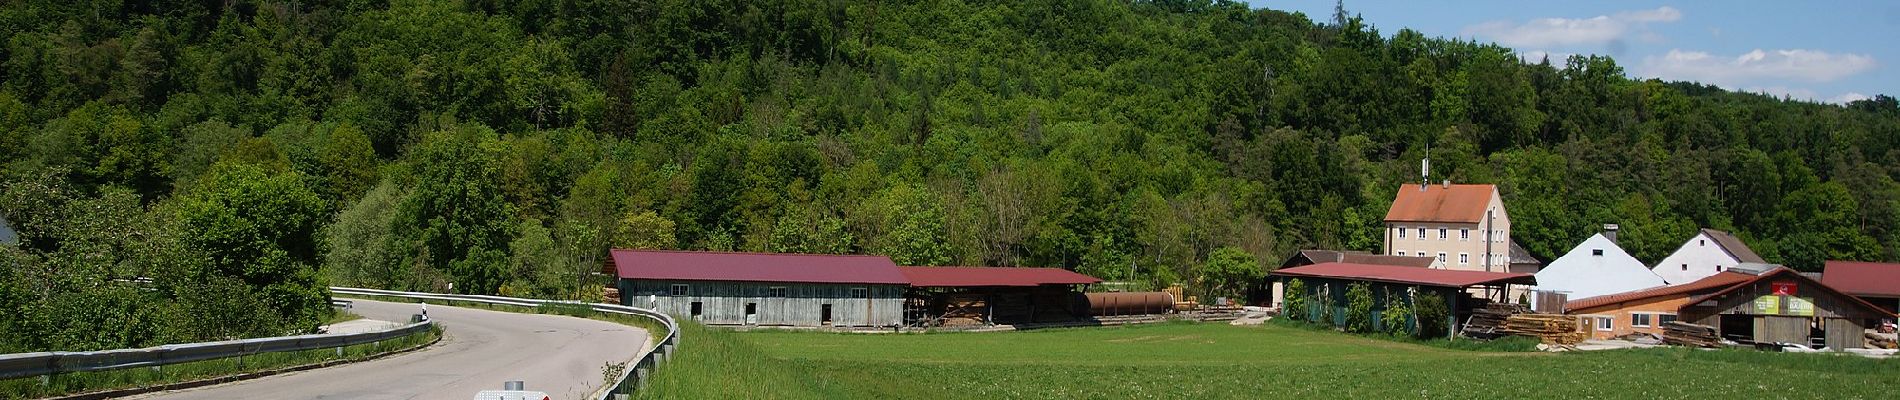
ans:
(724, 303)
(1845, 333)
(1781, 329)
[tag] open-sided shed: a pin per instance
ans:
(1330, 280)
(990, 295)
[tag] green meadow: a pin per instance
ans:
(1187, 360)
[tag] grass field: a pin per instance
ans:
(1219, 361)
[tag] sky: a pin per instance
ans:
(1821, 51)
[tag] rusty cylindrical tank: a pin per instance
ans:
(1123, 303)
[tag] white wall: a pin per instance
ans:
(1583, 275)
(1701, 255)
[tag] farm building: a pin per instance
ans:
(1271, 293)
(1329, 282)
(1645, 311)
(1877, 283)
(764, 288)
(1707, 253)
(991, 295)
(1595, 267)
(1781, 305)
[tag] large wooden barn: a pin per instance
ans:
(764, 288)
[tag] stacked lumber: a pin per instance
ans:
(963, 309)
(610, 295)
(1552, 329)
(1687, 334)
(1486, 322)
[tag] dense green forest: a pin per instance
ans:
(188, 170)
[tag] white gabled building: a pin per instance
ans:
(1708, 253)
(1594, 268)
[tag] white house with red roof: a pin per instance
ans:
(1462, 226)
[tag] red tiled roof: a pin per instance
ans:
(992, 276)
(1406, 275)
(1785, 272)
(1437, 203)
(1360, 257)
(1863, 278)
(1712, 282)
(756, 267)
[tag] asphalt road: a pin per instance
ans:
(559, 355)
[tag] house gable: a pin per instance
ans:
(1584, 273)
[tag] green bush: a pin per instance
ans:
(1432, 313)
(1396, 319)
(1359, 307)
(1294, 305)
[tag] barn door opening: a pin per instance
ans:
(696, 310)
(824, 315)
(751, 313)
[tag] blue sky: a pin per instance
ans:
(1822, 51)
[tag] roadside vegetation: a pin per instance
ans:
(1191, 360)
(195, 171)
(86, 382)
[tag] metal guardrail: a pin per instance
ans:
(21, 365)
(630, 378)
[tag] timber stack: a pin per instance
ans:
(1552, 329)
(1687, 334)
(1487, 322)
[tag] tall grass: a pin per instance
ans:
(717, 364)
(84, 382)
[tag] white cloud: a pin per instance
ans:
(1849, 97)
(1805, 94)
(1601, 29)
(1794, 64)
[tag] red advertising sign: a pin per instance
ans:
(1783, 288)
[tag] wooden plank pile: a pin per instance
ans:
(1487, 322)
(1552, 329)
(963, 309)
(1687, 334)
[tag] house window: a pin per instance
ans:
(1421, 233)
(1665, 318)
(1639, 320)
(1441, 233)
(1464, 258)
(1685, 267)
(1605, 323)
(1718, 268)
(1596, 252)
(1401, 233)
(775, 291)
(1464, 234)
(1401, 253)
(1703, 242)
(860, 293)
(679, 290)
(1441, 257)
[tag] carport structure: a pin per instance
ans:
(990, 295)
(1330, 280)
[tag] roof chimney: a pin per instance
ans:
(1609, 232)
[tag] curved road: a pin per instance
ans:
(480, 349)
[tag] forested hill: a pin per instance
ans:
(504, 145)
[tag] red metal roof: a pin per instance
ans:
(1863, 278)
(1406, 275)
(756, 267)
(1712, 282)
(993, 276)
(1779, 271)
(1437, 203)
